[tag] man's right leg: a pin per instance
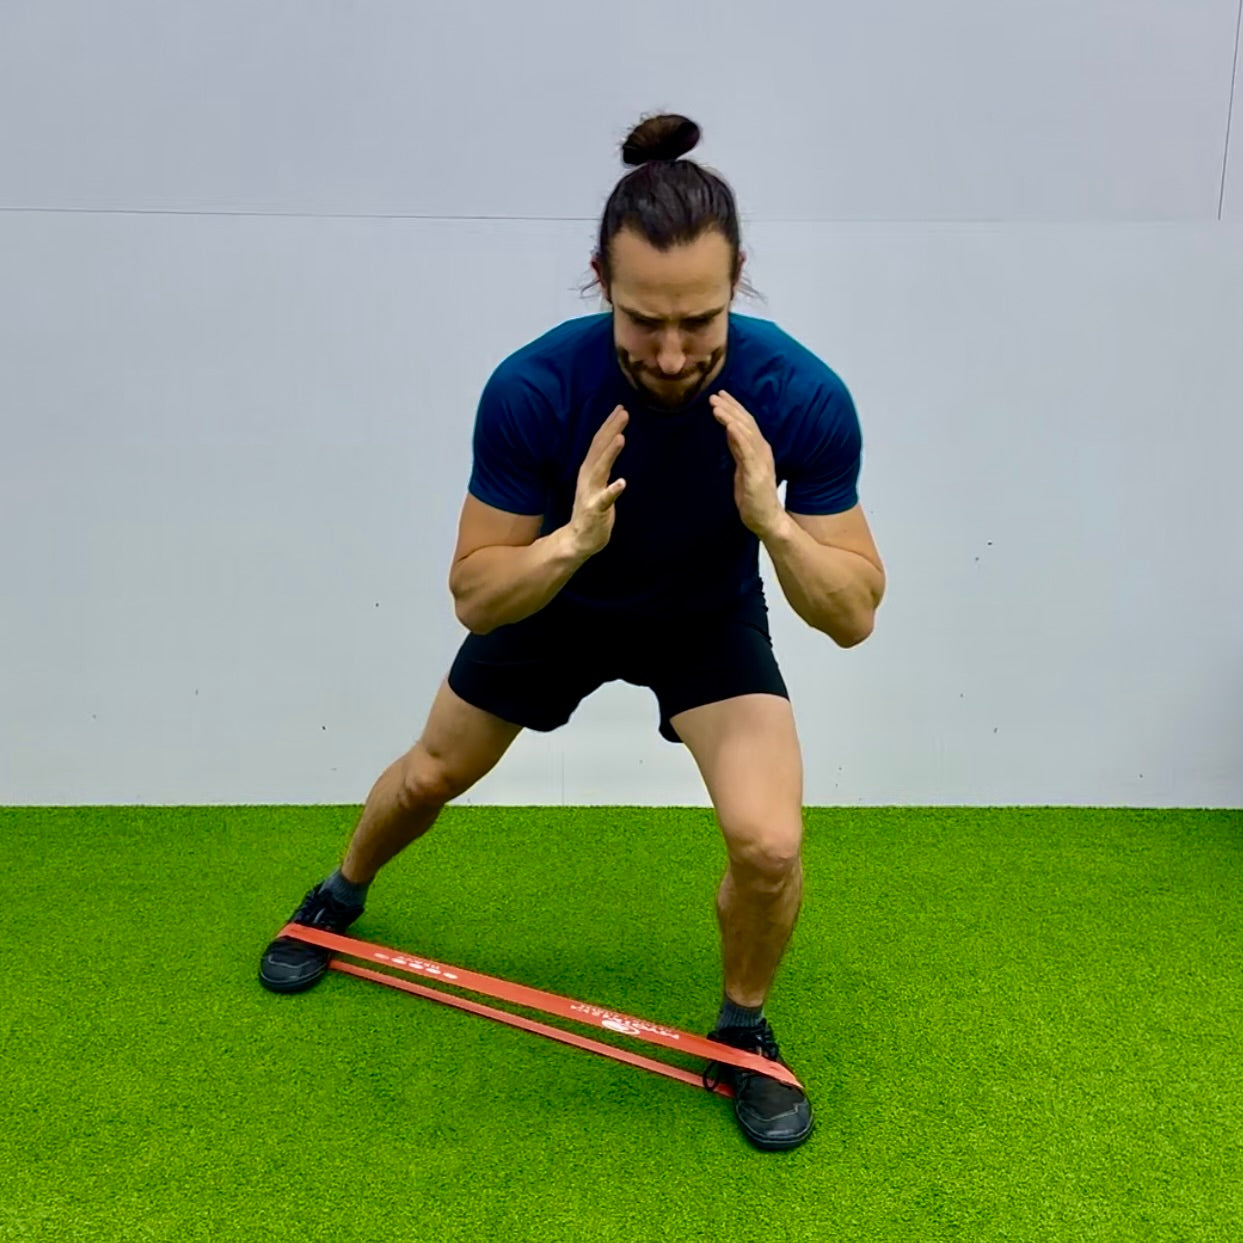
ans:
(459, 744)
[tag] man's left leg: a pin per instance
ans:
(748, 754)
(747, 751)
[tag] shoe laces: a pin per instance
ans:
(321, 910)
(758, 1039)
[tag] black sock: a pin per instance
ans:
(344, 891)
(738, 1016)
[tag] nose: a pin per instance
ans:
(671, 358)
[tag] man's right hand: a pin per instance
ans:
(591, 523)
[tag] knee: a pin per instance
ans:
(425, 780)
(766, 861)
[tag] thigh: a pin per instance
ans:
(460, 744)
(748, 754)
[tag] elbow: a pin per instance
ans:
(460, 611)
(865, 624)
(467, 619)
(856, 636)
(463, 606)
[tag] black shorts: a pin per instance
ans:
(536, 672)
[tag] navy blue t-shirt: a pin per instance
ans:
(678, 545)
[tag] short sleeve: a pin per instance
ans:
(826, 450)
(510, 426)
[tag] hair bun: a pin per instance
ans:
(665, 136)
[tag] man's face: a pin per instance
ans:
(670, 314)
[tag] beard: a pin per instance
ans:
(669, 393)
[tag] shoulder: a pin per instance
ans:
(796, 384)
(550, 359)
(529, 391)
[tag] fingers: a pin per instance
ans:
(613, 448)
(604, 463)
(607, 430)
(606, 445)
(612, 425)
(740, 426)
(723, 404)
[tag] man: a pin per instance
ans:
(625, 472)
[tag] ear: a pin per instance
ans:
(599, 271)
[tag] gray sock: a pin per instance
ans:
(344, 891)
(738, 1016)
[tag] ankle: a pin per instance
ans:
(354, 876)
(345, 890)
(734, 1015)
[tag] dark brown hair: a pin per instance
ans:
(667, 201)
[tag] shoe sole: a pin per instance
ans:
(777, 1145)
(783, 1145)
(276, 986)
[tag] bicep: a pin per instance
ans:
(482, 526)
(847, 530)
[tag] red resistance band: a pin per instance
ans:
(535, 999)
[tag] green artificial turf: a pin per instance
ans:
(1013, 1024)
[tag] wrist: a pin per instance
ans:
(779, 530)
(569, 548)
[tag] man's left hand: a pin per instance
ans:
(755, 480)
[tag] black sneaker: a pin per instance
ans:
(773, 1115)
(289, 965)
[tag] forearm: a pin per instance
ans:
(832, 589)
(501, 584)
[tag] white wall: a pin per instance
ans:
(258, 260)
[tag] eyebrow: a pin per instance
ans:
(656, 319)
